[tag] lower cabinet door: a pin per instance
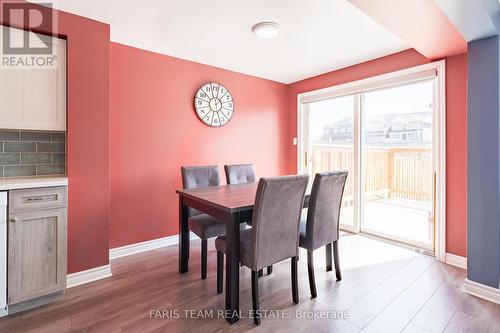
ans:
(37, 254)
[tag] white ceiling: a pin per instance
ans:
(317, 36)
(473, 19)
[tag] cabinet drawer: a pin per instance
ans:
(37, 199)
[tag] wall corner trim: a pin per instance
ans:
(89, 275)
(127, 250)
(454, 260)
(482, 291)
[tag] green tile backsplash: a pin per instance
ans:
(32, 153)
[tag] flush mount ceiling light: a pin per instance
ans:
(266, 30)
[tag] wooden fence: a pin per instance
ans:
(404, 173)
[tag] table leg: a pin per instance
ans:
(183, 237)
(233, 268)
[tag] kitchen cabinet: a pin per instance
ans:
(33, 97)
(37, 230)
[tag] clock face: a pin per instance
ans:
(214, 104)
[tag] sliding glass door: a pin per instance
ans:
(385, 138)
(331, 143)
(398, 164)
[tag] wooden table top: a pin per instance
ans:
(230, 198)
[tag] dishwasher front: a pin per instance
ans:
(3, 253)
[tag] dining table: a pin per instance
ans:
(232, 204)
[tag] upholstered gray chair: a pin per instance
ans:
(239, 173)
(274, 235)
(242, 174)
(321, 225)
(203, 225)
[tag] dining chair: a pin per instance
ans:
(274, 235)
(242, 174)
(320, 226)
(239, 173)
(203, 225)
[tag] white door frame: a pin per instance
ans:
(434, 69)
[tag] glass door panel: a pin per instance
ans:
(331, 146)
(397, 159)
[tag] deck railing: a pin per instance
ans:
(402, 172)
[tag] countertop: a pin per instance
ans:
(32, 182)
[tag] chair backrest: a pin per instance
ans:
(276, 218)
(199, 176)
(239, 173)
(324, 208)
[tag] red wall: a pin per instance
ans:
(140, 104)
(456, 152)
(154, 131)
(88, 133)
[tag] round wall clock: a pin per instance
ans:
(214, 104)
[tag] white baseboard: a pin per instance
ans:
(4, 312)
(126, 250)
(482, 291)
(89, 275)
(93, 274)
(454, 260)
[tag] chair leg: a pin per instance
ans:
(261, 272)
(220, 269)
(336, 258)
(204, 250)
(328, 249)
(269, 270)
(295, 285)
(255, 297)
(310, 270)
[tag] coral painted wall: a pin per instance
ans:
(154, 131)
(456, 117)
(88, 135)
(131, 113)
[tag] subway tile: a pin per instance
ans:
(19, 170)
(50, 169)
(59, 136)
(58, 158)
(9, 135)
(21, 147)
(28, 153)
(35, 158)
(35, 136)
(51, 147)
(9, 159)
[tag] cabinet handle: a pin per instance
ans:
(13, 219)
(40, 198)
(34, 199)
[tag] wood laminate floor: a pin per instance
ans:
(384, 289)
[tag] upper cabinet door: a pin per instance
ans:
(33, 95)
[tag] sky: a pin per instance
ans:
(402, 100)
